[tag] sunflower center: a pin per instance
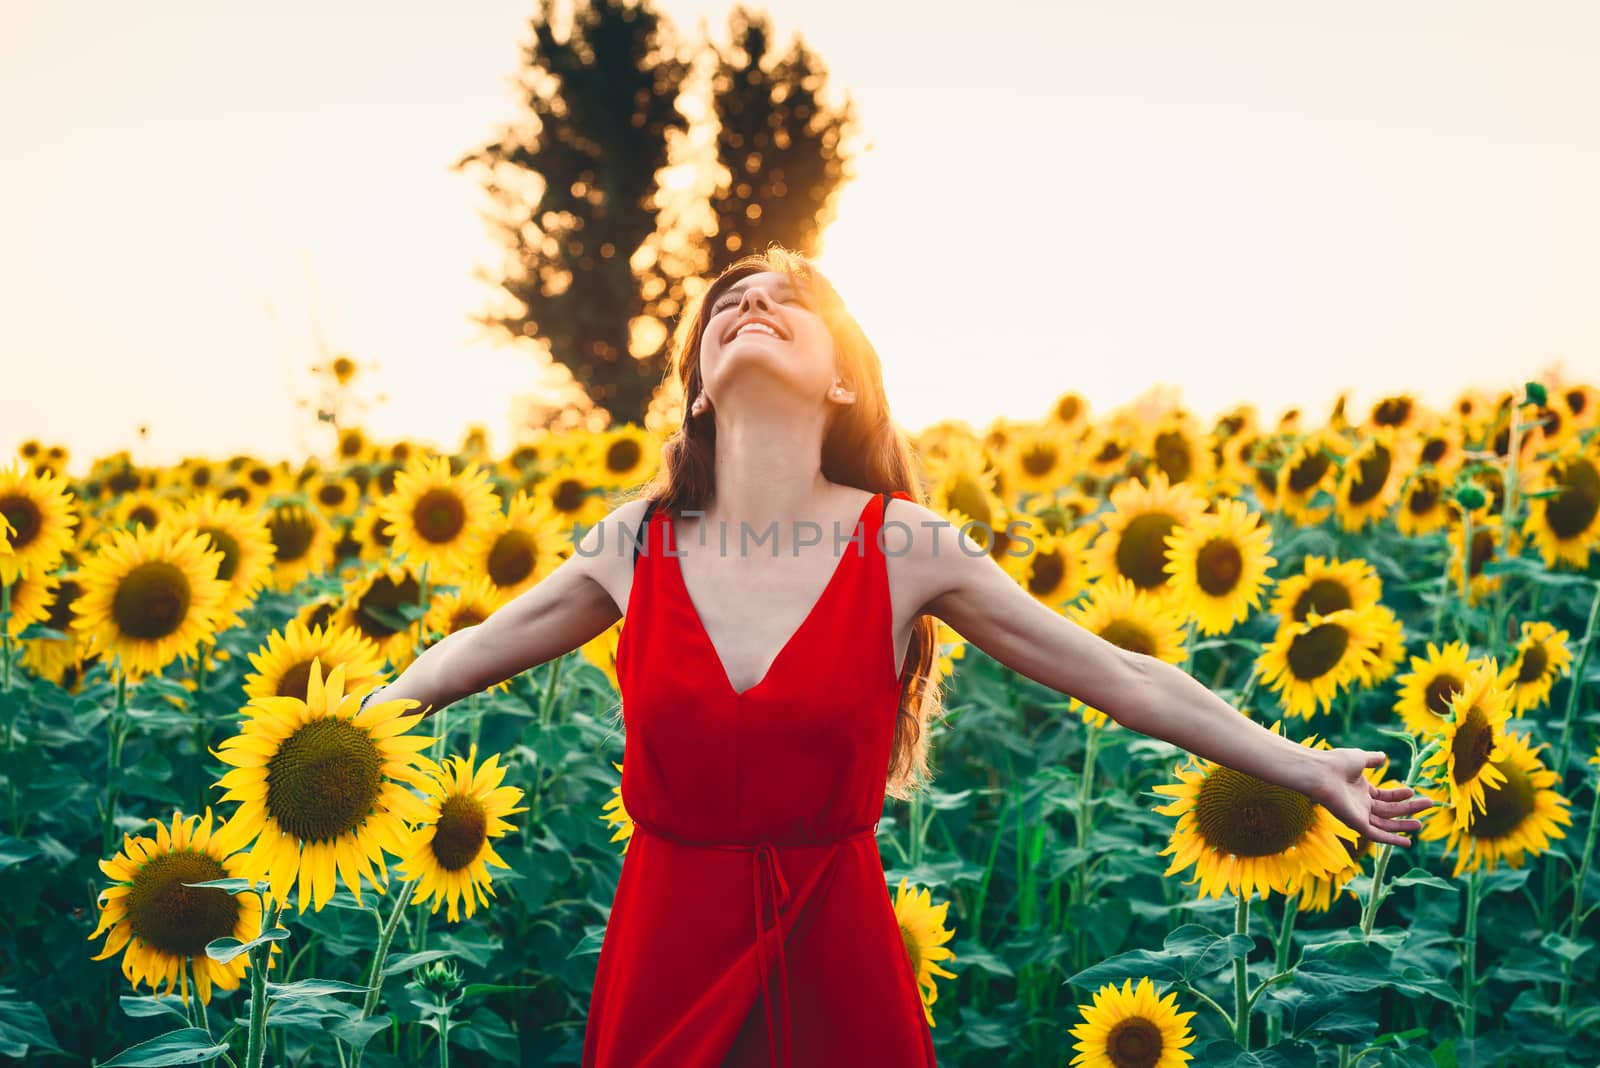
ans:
(228, 546)
(23, 515)
(385, 594)
(1048, 570)
(1267, 479)
(1326, 596)
(177, 919)
(1392, 412)
(511, 558)
(1474, 741)
(968, 498)
(1172, 455)
(1318, 651)
(1570, 512)
(1250, 817)
(569, 495)
(623, 455)
(1424, 496)
(331, 496)
(1218, 567)
(296, 681)
(1111, 450)
(1307, 474)
(1134, 1042)
(291, 531)
(1067, 408)
(459, 834)
(324, 779)
(1142, 552)
(1505, 805)
(466, 617)
(1433, 450)
(1439, 692)
(1482, 550)
(126, 480)
(1039, 460)
(1129, 635)
(913, 950)
(143, 515)
(439, 516)
(1534, 660)
(151, 600)
(1372, 473)
(61, 613)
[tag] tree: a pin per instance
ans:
(781, 147)
(603, 101)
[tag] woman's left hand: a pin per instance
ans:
(1344, 790)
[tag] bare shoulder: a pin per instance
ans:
(605, 552)
(926, 553)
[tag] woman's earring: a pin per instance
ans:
(838, 392)
(699, 405)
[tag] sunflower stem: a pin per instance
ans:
(260, 957)
(1084, 821)
(1574, 687)
(1280, 959)
(1577, 905)
(1469, 972)
(5, 645)
(1369, 915)
(114, 729)
(375, 979)
(1241, 978)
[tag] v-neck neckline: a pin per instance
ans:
(794, 636)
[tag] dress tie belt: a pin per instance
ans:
(764, 856)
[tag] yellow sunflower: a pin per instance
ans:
(38, 511)
(302, 543)
(924, 933)
(625, 455)
(1566, 526)
(1486, 549)
(1219, 563)
(1039, 458)
(1541, 657)
(283, 665)
(1177, 448)
(55, 658)
(1325, 586)
(1132, 1028)
(31, 598)
(149, 597)
(333, 495)
(166, 925)
(521, 547)
(952, 647)
(1242, 833)
(322, 787)
(1053, 571)
(449, 852)
(1424, 507)
(1310, 662)
(1131, 619)
(1369, 482)
(1308, 468)
(1425, 691)
(243, 540)
(1070, 411)
(962, 486)
(436, 517)
(1132, 541)
(1474, 739)
(372, 609)
(1520, 812)
(142, 509)
(1319, 892)
(1390, 648)
(615, 813)
(570, 492)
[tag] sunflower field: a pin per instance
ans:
(193, 797)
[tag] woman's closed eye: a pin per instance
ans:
(731, 301)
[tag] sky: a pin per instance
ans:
(1247, 202)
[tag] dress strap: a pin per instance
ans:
(644, 529)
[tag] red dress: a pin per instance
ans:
(751, 923)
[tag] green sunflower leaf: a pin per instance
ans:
(187, 1045)
(223, 950)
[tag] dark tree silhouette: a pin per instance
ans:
(782, 148)
(602, 100)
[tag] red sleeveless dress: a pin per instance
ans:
(752, 924)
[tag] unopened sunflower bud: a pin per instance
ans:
(440, 977)
(1536, 394)
(1471, 497)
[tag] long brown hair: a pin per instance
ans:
(861, 447)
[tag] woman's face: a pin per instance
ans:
(801, 353)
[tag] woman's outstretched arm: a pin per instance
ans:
(985, 605)
(559, 613)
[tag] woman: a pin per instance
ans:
(771, 704)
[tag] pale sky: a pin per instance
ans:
(1258, 202)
